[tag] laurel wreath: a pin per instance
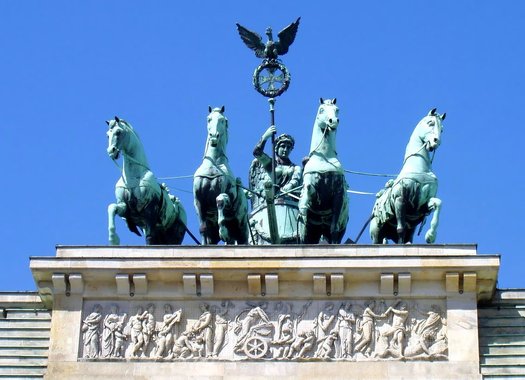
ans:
(271, 64)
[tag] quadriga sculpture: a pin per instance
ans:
(219, 201)
(323, 206)
(141, 200)
(406, 201)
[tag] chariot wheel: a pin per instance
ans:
(255, 347)
(271, 78)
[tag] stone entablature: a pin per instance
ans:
(146, 305)
(267, 271)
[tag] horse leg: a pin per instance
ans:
(201, 213)
(409, 234)
(375, 230)
(151, 239)
(114, 209)
(223, 202)
(152, 223)
(400, 209)
(305, 203)
(433, 204)
(241, 205)
(312, 234)
(339, 215)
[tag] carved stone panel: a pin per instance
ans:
(274, 330)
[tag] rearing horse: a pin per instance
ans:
(323, 205)
(141, 200)
(220, 204)
(405, 202)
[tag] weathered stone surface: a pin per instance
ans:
(502, 335)
(418, 328)
(24, 335)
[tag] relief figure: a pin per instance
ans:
(323, 322)
(135, 326)
(285, 336)
(426, 334)
(303, 343)
(91, 333)
(326, 348)
(345, 328)
(366, 327)
(148, 328)
(109, 334)
(203, 329)
(396, 332)
(165, 333)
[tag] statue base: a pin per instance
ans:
(324, 311)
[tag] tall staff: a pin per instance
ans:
(271, 79)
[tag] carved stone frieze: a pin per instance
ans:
(273, 330)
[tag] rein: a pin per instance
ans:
(121, 170)
(214, 163)
(320, 142)
(125, 156)
(423, 146)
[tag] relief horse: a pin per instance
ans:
(141, 200)
(323, 205)
(406, 201)
(219, 200)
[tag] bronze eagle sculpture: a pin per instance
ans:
(272, 49)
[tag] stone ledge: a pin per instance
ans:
(220, 251)
(265, 370)
(358, 271)
(20, 300)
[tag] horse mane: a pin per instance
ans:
(128, 127)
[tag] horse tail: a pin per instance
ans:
(133, 227)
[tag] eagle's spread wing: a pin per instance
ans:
(257, 176)
(286, 37)
(252, 40)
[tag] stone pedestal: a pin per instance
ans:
(282, 311)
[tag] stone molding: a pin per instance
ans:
(82, 284)
(284, 271)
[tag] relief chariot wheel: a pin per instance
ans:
(255, 347)
(271, 78)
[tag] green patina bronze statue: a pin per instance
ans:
(405, 202)
(323, 205)
(271, 49)
(219, 200)
(271, 78)
(288, 180)
(141, 200)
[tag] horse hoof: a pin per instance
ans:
(114, 240)
(430, 237)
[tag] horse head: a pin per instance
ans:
(117, 137)
(328, 115)
(430, 128)
(217, 127)
(223, 202)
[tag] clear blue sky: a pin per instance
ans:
(67, 66)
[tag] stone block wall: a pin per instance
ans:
(502, 335)
(24, 336)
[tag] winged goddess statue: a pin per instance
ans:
(272, 49)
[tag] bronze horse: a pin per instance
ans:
(220, 203)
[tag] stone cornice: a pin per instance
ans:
(269, 271)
